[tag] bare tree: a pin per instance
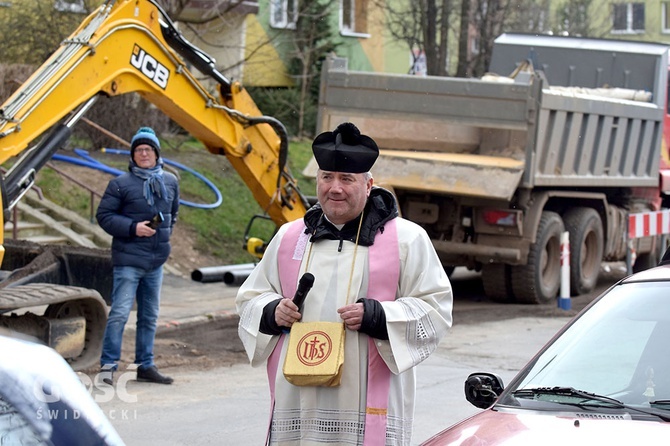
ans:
(23, 41)
(204, 12)
(424, 26)
(530, 16)
(486, 19)
(436, 34)
(312, 41)
(481, 21)
(201, 21)
(576, 18)
(489, 18)
(464, 69)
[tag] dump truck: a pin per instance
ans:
(59, 294)
(563, 134)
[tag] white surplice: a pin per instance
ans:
(416, 322)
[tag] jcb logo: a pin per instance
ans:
(150, 67)
(314, 348)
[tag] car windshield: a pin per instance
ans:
(618, 352)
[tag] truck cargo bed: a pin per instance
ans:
(477, 137)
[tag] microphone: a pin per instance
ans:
(305, 284)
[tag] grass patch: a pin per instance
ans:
(69, 195)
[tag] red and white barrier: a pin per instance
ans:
(645, 224)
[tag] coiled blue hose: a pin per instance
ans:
(88, 161)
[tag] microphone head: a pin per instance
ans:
(307, 280)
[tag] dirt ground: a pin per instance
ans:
(200, 347)
(184, 258)
(197, 347)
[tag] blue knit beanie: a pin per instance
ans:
(145, 135)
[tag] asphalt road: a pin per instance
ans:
(222, 401)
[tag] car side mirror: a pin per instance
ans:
(482, 389)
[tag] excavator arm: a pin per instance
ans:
(130, 46)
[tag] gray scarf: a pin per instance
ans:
(153, 182)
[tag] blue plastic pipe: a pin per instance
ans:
(92, 163)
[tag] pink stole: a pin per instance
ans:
(384, 271)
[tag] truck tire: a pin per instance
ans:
(586, 248)
(497, 282)
(538, 281)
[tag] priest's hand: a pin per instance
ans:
(352, 315)
(286, 313)
(374, 319)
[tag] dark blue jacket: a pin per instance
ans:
(123, 206)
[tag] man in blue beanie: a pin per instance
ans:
(139, 210)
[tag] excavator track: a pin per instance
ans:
(73, 315)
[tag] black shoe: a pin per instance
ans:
(151, 374)
(107, 376)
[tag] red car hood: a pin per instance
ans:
(523, 427)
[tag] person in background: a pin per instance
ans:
(139, 210)
(374, 271)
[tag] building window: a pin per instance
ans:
(665, 17)
(628, 18)
(354, 17)
(283, 13)
(76, 6)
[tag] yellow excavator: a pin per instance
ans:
(125, 46)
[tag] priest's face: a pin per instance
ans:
(342, 195)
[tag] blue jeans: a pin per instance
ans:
(132, 283)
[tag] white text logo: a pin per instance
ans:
(150, 67)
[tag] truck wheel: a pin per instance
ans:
(497, 282)
(538, 281)
(586, 248)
